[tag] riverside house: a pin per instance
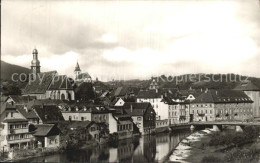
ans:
(222, 105)
(143, 115)
(47, 136)
(14, 132)
(116, 123)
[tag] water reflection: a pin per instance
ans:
(145, 149)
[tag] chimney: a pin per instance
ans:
(206, 91)
(156, 90)
(131, 108)
(216, 92)
(165, 94)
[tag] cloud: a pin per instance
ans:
(120, 37)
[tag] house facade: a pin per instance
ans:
(253, 92)
(142, 114)
(222, 105)
(14, 133)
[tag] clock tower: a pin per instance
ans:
(35, 64)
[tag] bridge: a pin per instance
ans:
(217, 125)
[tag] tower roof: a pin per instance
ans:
(35, 51)
(77, 68)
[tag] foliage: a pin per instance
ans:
(211, 159)
(250, 133)
(243, 155)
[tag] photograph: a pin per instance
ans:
(130, 81)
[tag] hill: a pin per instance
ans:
(195, 81)
(8, 69)
(9, 87)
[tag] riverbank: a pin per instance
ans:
(197, 148)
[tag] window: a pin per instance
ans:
(12, 114)
(50, 141)
(82, 118)
(6, 115)
(56, 141)
(139, 118)
(210, 111)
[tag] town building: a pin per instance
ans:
(48, 114)
(143, 115)
(253, 92)
(115, 122)
(222, 105)
(46, 136)
(14, 131)
(178, 110)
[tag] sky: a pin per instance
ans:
(133, 39)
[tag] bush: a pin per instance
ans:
(211, 159)
(243, 155)
(229, 138)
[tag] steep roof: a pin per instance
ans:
(40, 84)
(134, 109)
(28, 114)
(48, 113)
(149, 94)
(223, 96)
(40, 102)
(60, 82)
(121, 91)
(46, 130)
(22, 99)
(247, 86)
(77, 68)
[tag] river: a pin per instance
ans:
(144, 149)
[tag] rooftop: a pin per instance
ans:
(223, 96)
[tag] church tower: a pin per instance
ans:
(77, 70)
(35, 64)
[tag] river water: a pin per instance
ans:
(143, 149)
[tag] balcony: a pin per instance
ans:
(19, 140)
(18, 131)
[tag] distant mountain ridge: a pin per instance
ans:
(7, 70)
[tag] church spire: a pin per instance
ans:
(35, 64)
(77, 68)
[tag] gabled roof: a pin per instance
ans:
(46, 130)
(40, 102)
(135, 109)
(149, 94)
(60, 82)
(22, 99)
(76, 124)
(247, 86)
(121, 91)
(48, 113)
(40, 84)
(223, 96)
(28, 114)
